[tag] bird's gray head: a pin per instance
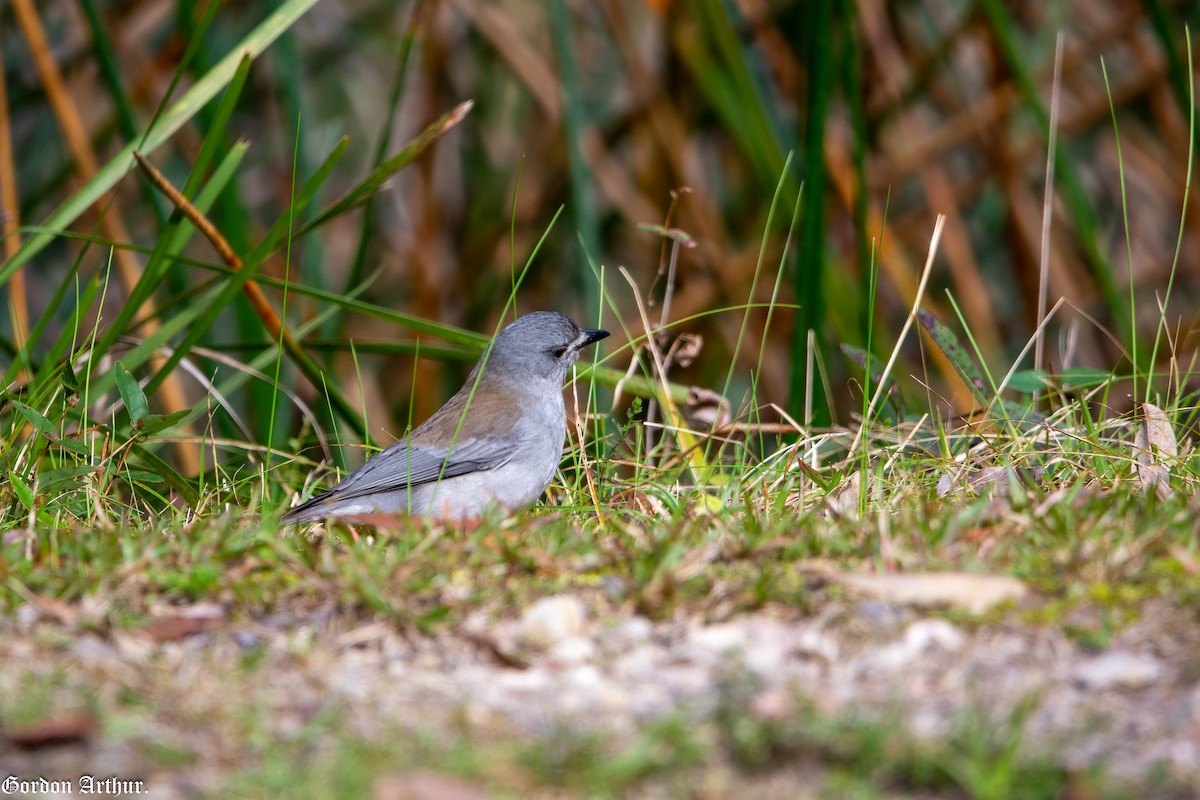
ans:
(542, 345)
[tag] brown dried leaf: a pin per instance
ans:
(188, 621)
(843, 501)
(65, 613)
(169, 629)
(53, 731)
(976, 592)
(1154, 442)
(991, 478)
(648, 504)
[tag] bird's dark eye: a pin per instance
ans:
(559, 352)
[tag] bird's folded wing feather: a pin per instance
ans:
(401, 466)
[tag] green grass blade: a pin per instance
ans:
(358, 263)
(809, 282)
(221, 299)
(39, 328)
(110, 74)
(170, 243)
(370, 186)
(583, 210)
(164, 126)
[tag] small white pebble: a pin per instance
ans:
(551, 620)
(1118, 670)
(571, 651)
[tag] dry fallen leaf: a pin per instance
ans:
(53, 731)
(997, 480)
(990, 478)
(179, 622)
(974, 591)
(169, 629)
(844, 500)
(1155, 441)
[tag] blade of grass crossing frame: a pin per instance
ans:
(357, 264)
(291, 72)
(751, 107)
(163, 127)
(192, 26)
(23, 357)
(67, 337)
(776, 197)
(214, 131)
(810, 266)
(195, 60)
(574, 121)
(1133, 337)
(173, 238)
(304, 251)
(224, 296)
(371, 185)
(170, 243)
(270, 395)
(110, 74)
(228, 214)
(1160, 328)
(859, 146)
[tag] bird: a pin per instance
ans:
(496, 443)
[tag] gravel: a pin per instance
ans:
(576, 662)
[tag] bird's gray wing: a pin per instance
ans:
(403, 465)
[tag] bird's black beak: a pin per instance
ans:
(587, 337)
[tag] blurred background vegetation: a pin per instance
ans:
(695, 115)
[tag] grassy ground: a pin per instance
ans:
(982, 583)
(228, 656)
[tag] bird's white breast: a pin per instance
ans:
(537, 448)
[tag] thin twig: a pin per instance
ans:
(916, 306)
(671, 412)
(253, 291)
